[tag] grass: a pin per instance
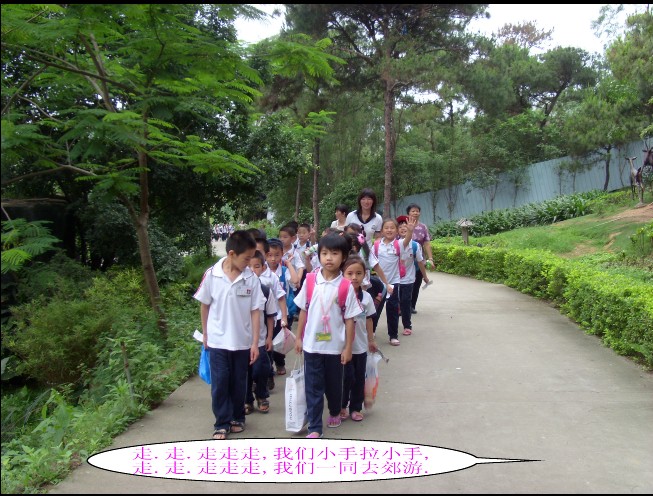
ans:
(610, 231)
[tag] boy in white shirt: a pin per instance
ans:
(325, 333)
(231, 302)
(259, 372)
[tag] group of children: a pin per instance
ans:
(336, 289)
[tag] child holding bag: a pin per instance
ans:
(325, 332)
(354, 381)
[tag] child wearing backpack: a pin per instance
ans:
(325, 332)
(415, 261)
(259, 371)
(389, 254)
(285, 271)
(354, 381)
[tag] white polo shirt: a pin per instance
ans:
(371, 227)
(410, 261)
(367, 310)
(296, 261)
(324, 302)
(271, 280)
(388, 259)
(271, 308)
(229, 323)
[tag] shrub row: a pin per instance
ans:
(532, 214)
(614, 307)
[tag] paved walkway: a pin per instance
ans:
(488, 371)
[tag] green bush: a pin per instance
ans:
(617, 307)
(532, 214)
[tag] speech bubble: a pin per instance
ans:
(286, 460)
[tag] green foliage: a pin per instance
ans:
(22, 241)
(532, 214)
(643, 240)
(617, 307)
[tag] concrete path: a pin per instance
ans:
(488, 371)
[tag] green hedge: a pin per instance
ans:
(617, 308)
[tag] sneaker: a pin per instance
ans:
(314, 435)
(344, 414)
(334, 422)
(394, 342)
(412, 310)
(408, 332)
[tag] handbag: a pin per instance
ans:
(204, 368)
(284, 341)
(296, 410)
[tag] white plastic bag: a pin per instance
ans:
(296, 411)
(284, 341)
(371, 379)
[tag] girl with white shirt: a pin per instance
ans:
(325, 333)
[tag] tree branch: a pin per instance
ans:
(5, 109)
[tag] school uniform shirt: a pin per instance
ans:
(324, 302)
(271, 308)
(371, 227)
(297, 262)
(388, 259)
(229, 323)
(410, 262)
(360, 338)
(271, 280)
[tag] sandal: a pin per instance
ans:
(408, 332)
(357, 416)
(249, 408)
(220, 434)
(314, 435)
(343, 414)
(334, 422)
(263, 405)
(237, 427)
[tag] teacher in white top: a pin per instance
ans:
(366, 216)
(341, 217)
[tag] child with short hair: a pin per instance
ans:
(388, 254)
(354, 380)
(259, 371)
(284, 272)
(325, 334)
(414, 260)
(231, 302)
(290, 256)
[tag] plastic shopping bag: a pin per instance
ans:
(204, 369)
(284, 341)
(371, 379)
(296, 413)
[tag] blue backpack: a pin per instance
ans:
(293, 310)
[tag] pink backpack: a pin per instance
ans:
(402, 267)
(343, 289)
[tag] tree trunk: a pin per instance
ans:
(388, 119)
(141, 220)
(607, 167)
(297, 196)
(316, 175)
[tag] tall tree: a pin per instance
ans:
(397, 44)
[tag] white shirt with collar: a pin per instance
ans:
(271, 308)
(324, 302)
(229, 323)
(360, 338)
(388, 260)
(272, 281)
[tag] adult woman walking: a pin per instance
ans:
(366, 215)
(422, 236)
(341, 217)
